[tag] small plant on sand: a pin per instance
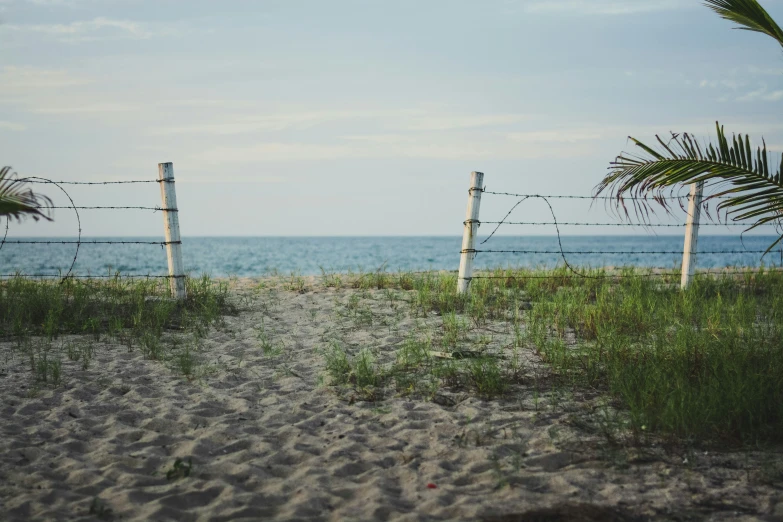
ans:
(83, 352)
(45, 365)
(330, 279)
(361, 372)
(180, 469)
(413, 353)
(150, 345)
(486, 376)
(296, 283)
(366, 372)
(337, 366)
(455, 329)
(269, 347)
(185, 361)
(379, 279)
(100, 509)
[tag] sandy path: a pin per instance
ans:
(267, 440)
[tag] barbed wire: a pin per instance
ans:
(524, 197)
(673, 198)
(624, 252)
(36, 179)
(55, 242)
(79, 241)
(750, 271)
(643, 225)
(127, 182)
(157, 209)
(116, 276)
(562, 252)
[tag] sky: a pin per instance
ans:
(361, 117)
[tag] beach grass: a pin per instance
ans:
(705, 364)
(52, 320)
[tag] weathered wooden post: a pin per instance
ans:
(171, 227)
(470, 231)
(691, 234)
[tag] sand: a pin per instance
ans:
(268, 439)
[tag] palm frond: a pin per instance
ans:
(737, 175)
(16, 201)
(749, 15)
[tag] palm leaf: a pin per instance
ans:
(749, 15)
(17, 202)
(738, 177)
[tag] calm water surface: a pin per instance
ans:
(257, 256)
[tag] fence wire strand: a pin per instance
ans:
(641, 225)
(749, 271)
(671, 198)
(128, 182)
(624, 252)
(90, 242)
(79, 242)
(116, 276)
(36, 179)
(156, 209)
(562, 252)
(5, 234)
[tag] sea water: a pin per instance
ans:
(259, 256)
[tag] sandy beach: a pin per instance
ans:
(260, 434)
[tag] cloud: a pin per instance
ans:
(90, 108)
(602, 7)
(54, 92)
(263, 152)
(217, 103)
(285, 152)
(30, 87)
(766, 71)
(87, 31)
(68, 3)
(382, 138)
(381, 146)
(455, 150)
(578, 141)
(774, 96)
(761, 94)
(437, 122)
(409, 120)
(19, 80)
(263, 123)
(8, 125)
(730, 84)
(555, 136)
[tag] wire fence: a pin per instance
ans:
(172, 242)
(690, 253)
(470, 250)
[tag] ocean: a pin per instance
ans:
(259, 256)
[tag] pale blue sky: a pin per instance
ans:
(350, 117)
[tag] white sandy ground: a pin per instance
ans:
(269, 441)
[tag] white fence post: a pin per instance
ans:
(469, 234)
(171, 227)
(691, 234)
